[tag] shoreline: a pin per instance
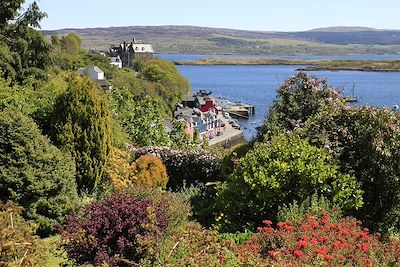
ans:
(309, 65)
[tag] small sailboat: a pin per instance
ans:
(351, 98)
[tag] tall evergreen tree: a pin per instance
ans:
(81, 125)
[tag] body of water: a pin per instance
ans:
(257, 85)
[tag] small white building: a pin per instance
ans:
(116, 61)
(94, 72)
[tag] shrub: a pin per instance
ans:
(119, 230)
(34, 173)
(192, 245)
(18, 245)
(315, 241)
(176, 207)
(280, 171)
(185, 167)
(150, 171)
(366, 141)
(81, 125)
(120, 169)
(313, 205)
(146, 171)
(299, 98)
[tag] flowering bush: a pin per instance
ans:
(316, 241)
(118, 230)
(185, 167)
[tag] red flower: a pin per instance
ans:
(298, 253)
(267, 222)
(336, 245)
(302, 244)
(364, 247)
(328, 257)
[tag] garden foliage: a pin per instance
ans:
(317, 241)
(18, 244)
(282, 170)
(34, 173)
(185, 167)
(119, 230)
(81, 126)
(148, 171)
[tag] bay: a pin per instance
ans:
(257, 85)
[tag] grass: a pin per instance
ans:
(54, 255)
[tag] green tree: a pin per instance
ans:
(299, 98)
(179, 137)
(141, 119)
(280, 171)
(28, 51)
(71, 44)
(366, 141)
(34, 173)
(9, 10)
(81, 125)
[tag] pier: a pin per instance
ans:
(239, 110)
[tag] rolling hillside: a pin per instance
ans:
(192, 39)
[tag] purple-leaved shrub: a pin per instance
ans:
(118, 231)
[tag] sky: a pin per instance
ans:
(264, 15)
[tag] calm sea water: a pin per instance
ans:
(257, 85)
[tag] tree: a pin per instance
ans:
(366, 143)
(34, 173)
(71, 44)
(30, 52)
(81, 125)
(299, 98)
(280, 171)
(9, 10)
(179, 137)
(144, 124)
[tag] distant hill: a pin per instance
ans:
(192, 39)
(343, 29)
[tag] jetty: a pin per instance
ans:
(240, 110)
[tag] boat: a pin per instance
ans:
(351, 98)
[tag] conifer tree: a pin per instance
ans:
(34, 173)
(81, 125)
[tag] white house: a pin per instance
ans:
(116, 61)
(94, 72)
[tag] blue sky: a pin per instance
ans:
(267, 15)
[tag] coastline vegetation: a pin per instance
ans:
(304, 64)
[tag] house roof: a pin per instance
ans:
(95, 68)
(142, 48)
(103, 83)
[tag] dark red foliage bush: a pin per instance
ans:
(120, 229)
